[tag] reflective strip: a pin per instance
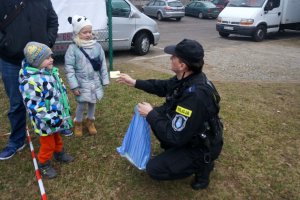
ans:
(183, 111)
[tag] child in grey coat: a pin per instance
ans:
(86, 72)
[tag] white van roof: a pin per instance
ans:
(94, 10)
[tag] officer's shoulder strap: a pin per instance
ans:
(210, 90)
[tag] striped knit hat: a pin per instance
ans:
(35, 53)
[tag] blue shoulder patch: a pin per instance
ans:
(191, 89)
(178, 122)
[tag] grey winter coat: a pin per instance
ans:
(81, 75)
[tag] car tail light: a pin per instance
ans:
(167, 8)
(209, 10)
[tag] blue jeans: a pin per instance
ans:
(17, 110)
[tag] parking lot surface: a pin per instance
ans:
(238, 58)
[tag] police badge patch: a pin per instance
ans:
(178, 122)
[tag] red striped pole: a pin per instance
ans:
(36, 168)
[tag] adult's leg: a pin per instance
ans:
(17, 111)
(204, 164)
(172, 164)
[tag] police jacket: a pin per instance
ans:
(36, 22)
(183, 114)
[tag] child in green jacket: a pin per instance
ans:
(45, 98)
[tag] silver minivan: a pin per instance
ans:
(131, 29)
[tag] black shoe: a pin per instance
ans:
(47, 171)
(63, 157)
(201, 180)
(199, 183)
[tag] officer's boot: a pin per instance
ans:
(201, 180)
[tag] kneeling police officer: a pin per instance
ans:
(187, 124)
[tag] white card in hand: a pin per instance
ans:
(114, 74)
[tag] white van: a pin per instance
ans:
(257, 18)
(131, 29)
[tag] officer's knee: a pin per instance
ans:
(152, 171)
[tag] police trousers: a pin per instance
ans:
(177, 163)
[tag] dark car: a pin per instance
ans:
(162, 9)
(202, 9)
(221, 4)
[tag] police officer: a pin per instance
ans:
(181, 124)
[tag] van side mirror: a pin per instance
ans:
(134, 14)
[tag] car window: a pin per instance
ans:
(157, 3)
(275, 3)
(175, 4)
(209, 5)
(219, 1)
(246, 3)
(150, 3)
(200, 5)
(120, 8)
(162, 3)
(192, 4)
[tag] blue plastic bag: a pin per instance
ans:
(136, 145)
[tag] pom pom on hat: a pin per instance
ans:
(79, 22)
(35, 53)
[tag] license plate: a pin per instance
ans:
(228, 27)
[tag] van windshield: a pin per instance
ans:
(246, 3)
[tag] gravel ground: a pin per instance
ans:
(267, 61)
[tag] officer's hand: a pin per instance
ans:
(144, 108)
(126, 79)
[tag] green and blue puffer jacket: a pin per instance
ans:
(45, 98)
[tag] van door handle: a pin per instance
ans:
(279, 13)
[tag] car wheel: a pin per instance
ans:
(260, 33)
(159, 16)
(141, 44)
(178, 18)
(200, 15)
(222, 34)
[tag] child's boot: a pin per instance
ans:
(47, 171)
(63, 157)
(90, 124)
(78, 128)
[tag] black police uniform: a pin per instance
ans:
(175, 125)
